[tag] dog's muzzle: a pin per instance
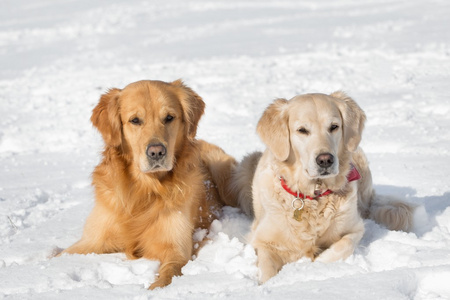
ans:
(156, 152)
(325, 161)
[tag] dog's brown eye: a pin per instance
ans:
(303, 130)
(135, 121)
(333, 127)
(169, 119)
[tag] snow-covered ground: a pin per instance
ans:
(57, 57)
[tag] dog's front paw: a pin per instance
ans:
(266, 271)
(160, 283)
(263, 277)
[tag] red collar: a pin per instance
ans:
(351, 176)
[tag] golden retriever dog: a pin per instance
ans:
(156, 183)
(311, 187)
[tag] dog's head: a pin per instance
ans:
(312, 131)
(149, 121)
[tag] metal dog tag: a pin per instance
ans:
(298, 210)
(298, 214)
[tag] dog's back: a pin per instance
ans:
(242, 180)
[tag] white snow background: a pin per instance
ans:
(58, 57)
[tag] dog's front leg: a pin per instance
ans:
(173, 256)
(166, 272)
(269, 263)
(341, 249)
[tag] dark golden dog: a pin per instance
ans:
(156, 182)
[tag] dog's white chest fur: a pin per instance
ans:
(321, 222)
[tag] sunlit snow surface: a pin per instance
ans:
(58, 57)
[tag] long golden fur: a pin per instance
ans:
(311, 140)
(156, 182)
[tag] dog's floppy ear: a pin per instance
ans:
(353, 119)
(273, 129)
(106, 118)
(193, 107)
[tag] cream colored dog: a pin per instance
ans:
(307, 199)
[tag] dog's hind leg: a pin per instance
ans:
(99, 235)
(220, 165)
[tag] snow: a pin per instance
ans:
(57, 57)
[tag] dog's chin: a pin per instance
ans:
(156, 169)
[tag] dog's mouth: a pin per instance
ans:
(150, 166)
(326, 174)
(158, 168)
(321, 173)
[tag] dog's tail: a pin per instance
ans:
(393, 213)
(242, 181)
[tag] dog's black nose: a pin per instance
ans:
(325, 160)
(156, 151)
